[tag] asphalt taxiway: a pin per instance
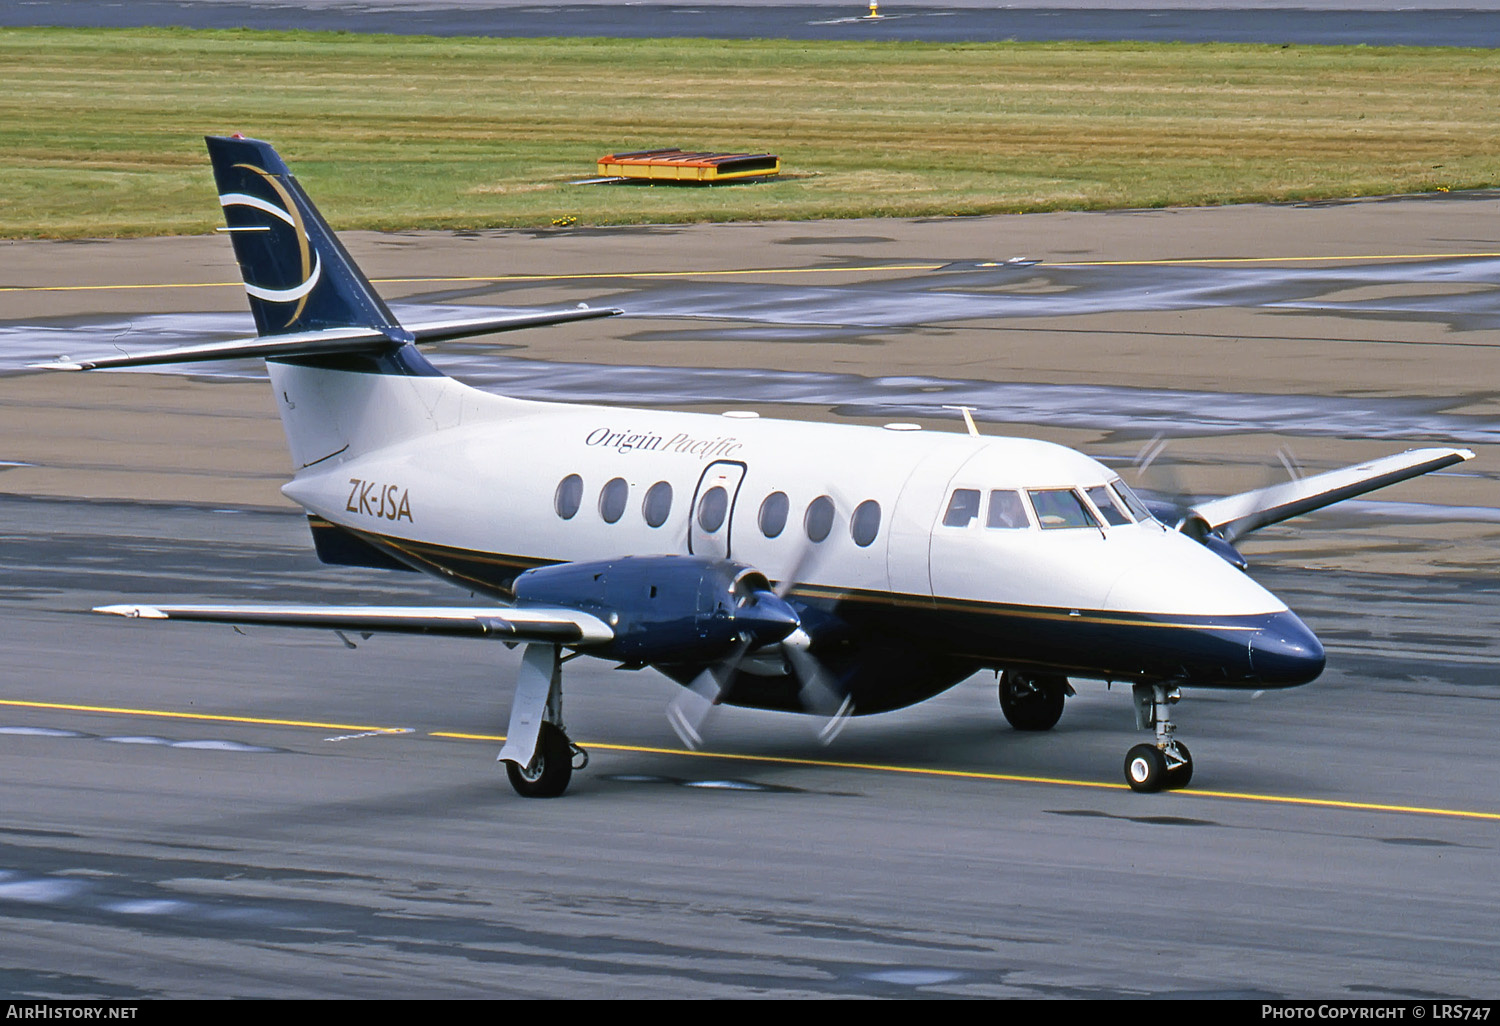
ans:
(192, 811)
(1468, 23)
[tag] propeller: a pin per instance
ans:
(1292, 466)
(1166, 496)
(1175, 506)
(817, 694)
(1171, 502)
(770, 621)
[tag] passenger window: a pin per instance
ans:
(865, 524)
(819, 519)
(569, 496)
(773, 513)
(963, 508)
(658, 504)
(1104, 500)
(612, 500)
(712, 509)
(1007, 510)
(1060, 507)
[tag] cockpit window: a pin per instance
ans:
(1060, 507)
(1132, 501)
(963, 508)
(1104, 500)
(1006, 510)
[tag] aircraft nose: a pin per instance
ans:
(1285, 652)
(767, 618)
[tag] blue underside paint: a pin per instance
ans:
(889, 651)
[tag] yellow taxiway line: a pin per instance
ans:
(1170, 261)
(748, 272)
(582, 276)
(207, 717)
(1016, 778)
(781, 760)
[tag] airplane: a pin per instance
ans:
(831, 569)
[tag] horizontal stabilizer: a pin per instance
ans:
(1235, 516)
(329, 340)
(554, 624)
(306, 343)
(442, 331)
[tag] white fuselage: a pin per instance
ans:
(484, 473)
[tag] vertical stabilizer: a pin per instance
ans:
(297, 273)
(301, 281)
(347, 376)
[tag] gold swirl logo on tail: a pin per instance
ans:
(312, 267)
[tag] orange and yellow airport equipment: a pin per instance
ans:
(681, 166)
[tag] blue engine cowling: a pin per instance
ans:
(1186, 520)
(666, 609)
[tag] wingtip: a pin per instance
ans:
(132, 612)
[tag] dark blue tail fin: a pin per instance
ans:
(298, 275)
(312, 305)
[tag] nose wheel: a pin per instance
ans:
(1167, 764)
(1149, 768)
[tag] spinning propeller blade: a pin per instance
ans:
(689, 711)
(818, 696)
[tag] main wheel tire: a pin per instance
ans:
(1146, 769)
(1180, 776)
(1032, 703)
(550, 770)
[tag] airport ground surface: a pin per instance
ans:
(1277, 22)
(191, 811)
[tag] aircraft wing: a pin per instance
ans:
(1235, 516)
(329, 340)
(555, 624)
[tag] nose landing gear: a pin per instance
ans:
(1167, 764)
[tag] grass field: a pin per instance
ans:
(100, 129)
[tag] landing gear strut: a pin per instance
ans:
(1167, 764)
(539, 758)
(1032, 702)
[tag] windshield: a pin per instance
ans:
(1132, 501)
(1104, 501)
(1060, 508)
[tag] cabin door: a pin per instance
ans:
(712, 516)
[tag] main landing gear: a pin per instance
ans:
(1032, 701)
(539, 759)
(1167, 764)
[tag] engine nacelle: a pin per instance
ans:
(665, 609)
(1189, 522)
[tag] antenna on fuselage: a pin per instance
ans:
(968, 412)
